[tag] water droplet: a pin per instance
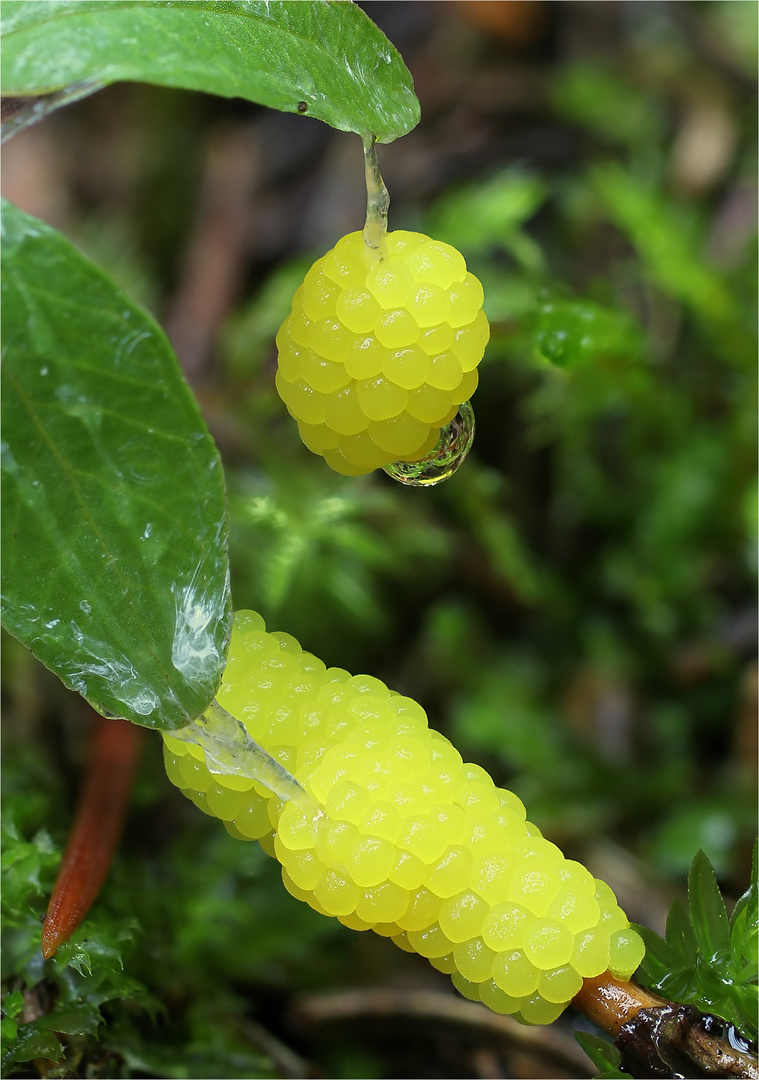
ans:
(452, 447)
(145, 702)
(85, 606)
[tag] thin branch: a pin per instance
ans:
(662, 1038)
(443, 1009)
(611, 1004)
(288, 1063)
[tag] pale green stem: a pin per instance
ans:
(230, 751)
(377, 203)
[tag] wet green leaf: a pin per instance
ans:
(72, 1020)
(328, 57)
(8, 1030)
(13, 1003)
(744, 950)
(603, 1054)
(707, 908)
(679, 933)
(661, 958)
(32, 1043)
(701, 961)
(27, 869)
(114, 520)
(568, 332)
(747, 906)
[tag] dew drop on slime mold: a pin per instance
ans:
(457, 437)
(444, 459)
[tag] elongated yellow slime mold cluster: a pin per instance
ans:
(395, 833)
(378, 354)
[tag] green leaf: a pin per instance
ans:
(28, 869)
(13, 1003)
(8, 1030)
(746, 910)
(702, 961)
(570, 331)
(661, 959)
(72, 1020)
(707, 909)
(32, 1043)
(73, 954)
(679, 933)
(744, 952)
(94, 946)
(602, 1053)
(114, 558)
(326, 55)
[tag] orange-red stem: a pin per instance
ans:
(96, 830)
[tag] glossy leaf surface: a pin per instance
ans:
(744, 921)
(321, 57)
(704, 959)
(603, 1054)
(708, 911)
(114, 561)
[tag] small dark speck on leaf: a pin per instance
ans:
(302, 107)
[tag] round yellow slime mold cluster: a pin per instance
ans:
(395, 833)
(376, 357)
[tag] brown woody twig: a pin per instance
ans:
(661, 1038)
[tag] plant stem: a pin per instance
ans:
(377, 203)
(230, 751)
(658, 1037)
(611, 1004)
(97, 827)
(446, 1009)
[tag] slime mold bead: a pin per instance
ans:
(393, 832)
(375, 357)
